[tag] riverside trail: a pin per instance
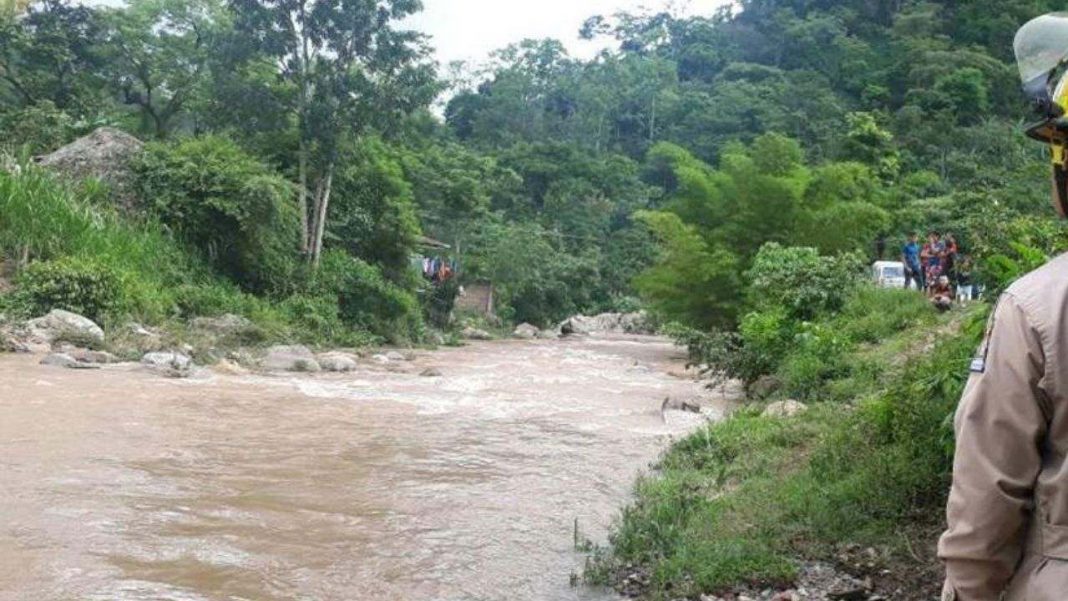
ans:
(376, 485)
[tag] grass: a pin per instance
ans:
(741, 501)
(161, 283)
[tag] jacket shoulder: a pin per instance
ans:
(1043, 293)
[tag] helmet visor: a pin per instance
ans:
(1041, 46)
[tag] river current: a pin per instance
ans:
(378, 485)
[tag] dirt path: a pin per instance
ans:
(377, 485)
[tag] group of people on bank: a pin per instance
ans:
(938, 268)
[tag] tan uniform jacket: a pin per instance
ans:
(1008, 507)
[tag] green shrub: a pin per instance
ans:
(801, 281)
(766, 338)
(872, 314)
(366, 299)
(820, 355)
(46, 219)
(36, 128)
(83, 286)
(227, 205)
(192, 300)
(439, 302)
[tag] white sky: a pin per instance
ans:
(470, 30)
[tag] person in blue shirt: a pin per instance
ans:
(910, 256)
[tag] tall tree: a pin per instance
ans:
(350, 67)
(52, 53)
(161, 52)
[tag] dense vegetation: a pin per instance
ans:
(731, 173)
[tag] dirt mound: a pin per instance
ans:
(104, 154)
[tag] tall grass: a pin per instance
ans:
(45, 219)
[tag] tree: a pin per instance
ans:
(690, 282)
(161, 50)
(350, 69)
(52, 53)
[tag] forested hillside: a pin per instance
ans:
(685, 147)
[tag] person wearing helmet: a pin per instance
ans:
(1007, 515)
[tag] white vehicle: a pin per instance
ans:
(888, 274)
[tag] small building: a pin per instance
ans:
(476, 298)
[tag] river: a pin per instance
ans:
(376, 485)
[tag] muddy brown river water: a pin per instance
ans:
(377, 485)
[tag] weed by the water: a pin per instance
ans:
(740, 501)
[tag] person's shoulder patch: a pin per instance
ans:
(978, 365)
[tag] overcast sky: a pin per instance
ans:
(470, 30)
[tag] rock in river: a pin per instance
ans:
(339, 362)
(163, 360)
(60, 324)
(290, 358)
(525, 331)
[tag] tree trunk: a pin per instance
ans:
(322, 204)
(302, 109)
(305, 233)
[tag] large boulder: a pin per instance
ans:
(291, 358)
(64, 325)
(337, 362)
(525, 331)
(58, 360)
(606, 323)
(105, 154)
(472, 333)
(167, 361)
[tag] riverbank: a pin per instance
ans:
(380, 483)
(855, 488)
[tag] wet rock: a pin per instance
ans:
(337, 362)
(788, 408)
(380, 359)
(671, 404)
(227, 367)
(58, 360)
(525, 331)
(290, 358)
(65, 325)
(65, 360)
(549, 334)
(471, 333)
(10, 343)
(396, 356)
(606, 323)
(223, 325)
(94, 357)
(431, 372)
(165, 361)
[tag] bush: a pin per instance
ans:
(766, 339)
(872, 314)
(366, 299)
(819, 356)
(79, 285)
(801, 281)
(35, 129)
(226, 204)
(317, 319)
